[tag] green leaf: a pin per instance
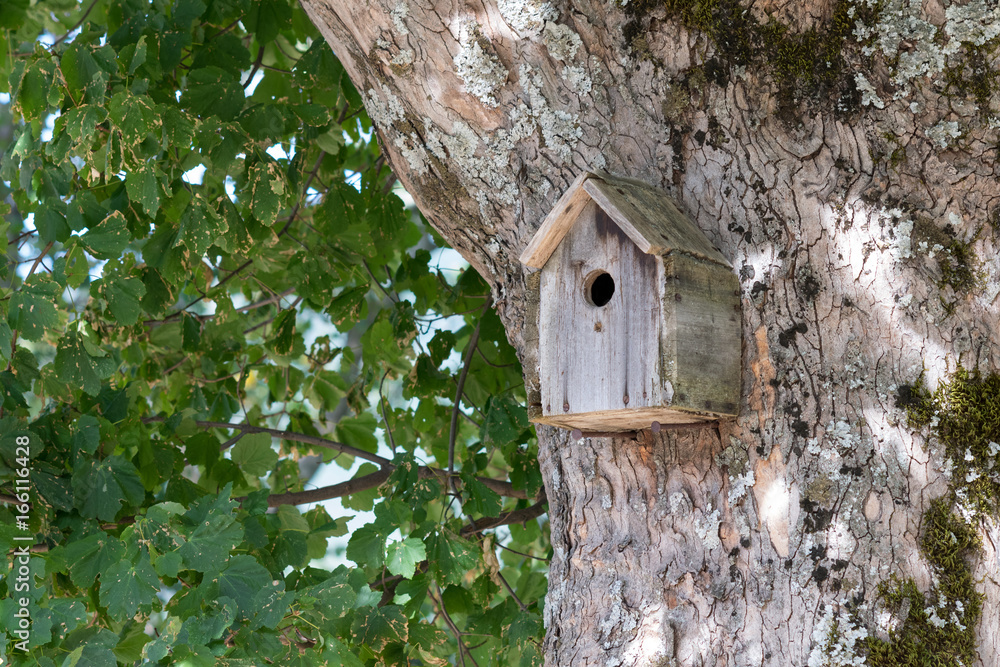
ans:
(32, 95)
(108, 238)
(271, 604)
(126, 586)
(505, 420)
(480, 498)
(254, 455)
(123, 292)
(52, 226)
(178, 127)
(330, 600)
(450, 556)
(335, 653)
(212, 91)
(403, 556)
(200, 227)
(87, 558)
(240, 580)
(341, 219)
(134, 116)
(143, 186)
(349, 307)
(379, 343)
(367, 546)
(268, 189)
(103, 486)
(13, 13)
(267, 18)
(359, 432)
(78, 367)
(210, 532)
(76, 267)
(282, 338)
(33, 307)
(379, 626)
(78, 68)
(87, 437)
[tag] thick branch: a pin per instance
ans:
(500, 487)
(355, 485)
(516, 516)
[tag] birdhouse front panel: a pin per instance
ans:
(599, 322)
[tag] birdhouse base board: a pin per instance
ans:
(624, 420)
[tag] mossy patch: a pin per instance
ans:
(964, 413)
(808, 63)
(957, 261)
(937, 629)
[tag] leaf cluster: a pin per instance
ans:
(212, 290)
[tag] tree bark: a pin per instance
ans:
(728, 545)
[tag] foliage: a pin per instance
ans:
(211, 285)
(938, 630)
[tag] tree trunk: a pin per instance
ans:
(829, 190)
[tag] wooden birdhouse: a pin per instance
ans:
(638, 313)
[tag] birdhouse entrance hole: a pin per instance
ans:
(599, 288)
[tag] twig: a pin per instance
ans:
(511, 592)
(451, 625)
(453, 433)
(514, 551)
(289, 435)
(490, 363)
(381, 403)
(375, 280)
(255, 68)
(274, 298)
(76, 25)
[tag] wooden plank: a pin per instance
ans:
(624, 420)
(532, 297)
(650, 218)
(599, 358)
(701, 341)
(556, 224)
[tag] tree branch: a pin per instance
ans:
(500, 487)
(290, 435)
(516, 516)
(453, 433)
(356, 485)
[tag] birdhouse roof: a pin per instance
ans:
(647, 216)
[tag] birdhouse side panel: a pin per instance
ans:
(701, 342)
(599, 321)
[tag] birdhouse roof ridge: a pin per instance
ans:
(645, 214)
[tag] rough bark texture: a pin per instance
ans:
(725, 546)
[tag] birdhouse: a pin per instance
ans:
(638, 313)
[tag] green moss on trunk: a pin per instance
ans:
(937, 629)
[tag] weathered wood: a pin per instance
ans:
(669, 338)
(650, 218)
(701, 337)
(624, 420)
(599, 358)
(556, 224)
